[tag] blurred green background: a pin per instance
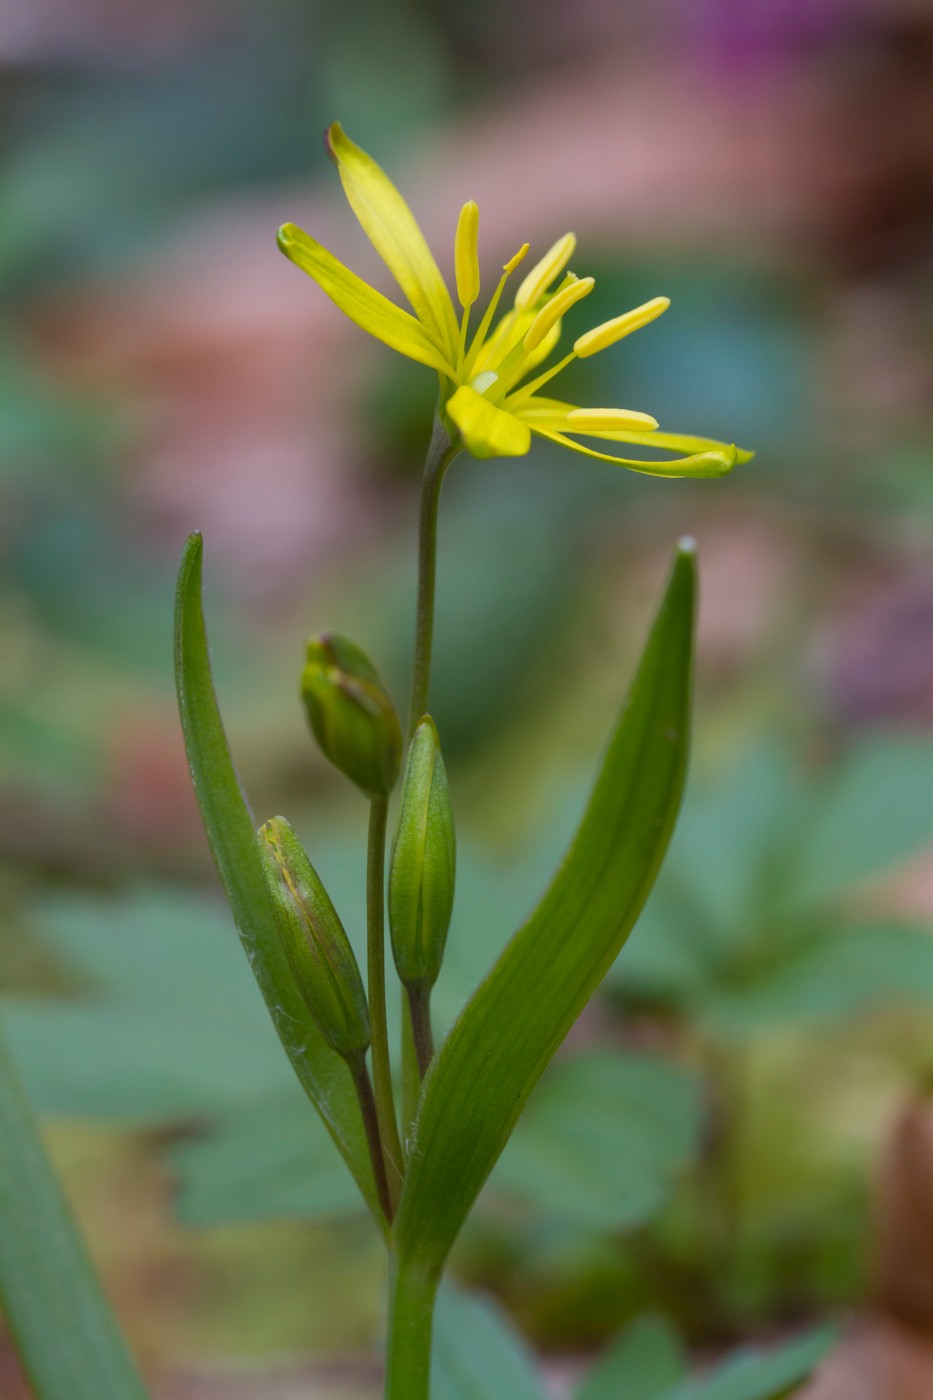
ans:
(708, 1146)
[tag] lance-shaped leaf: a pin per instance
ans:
(58, 1317)
(508, 1031)
(231, 833)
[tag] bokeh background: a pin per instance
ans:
(736, 1139)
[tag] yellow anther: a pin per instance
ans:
(600, 337)
(516, 258)
(466, 255)
(609, 420)
(559, 304)
(544, 272)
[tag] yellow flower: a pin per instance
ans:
(490, 390)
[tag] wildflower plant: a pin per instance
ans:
(421, 1158)
(420, 1131)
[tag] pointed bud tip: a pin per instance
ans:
(687, 547)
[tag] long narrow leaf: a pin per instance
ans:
(231, 833)
(508, 1031)
(61, 1324)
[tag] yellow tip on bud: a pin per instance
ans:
(559, 304)
(600, 337)
(466, 255)
(609, 420)
(509, 267)
(544, 272)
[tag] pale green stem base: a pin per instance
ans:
(411, 1315)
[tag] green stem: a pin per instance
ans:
(376, 970)
(364, 1093)
(411, 1075)
(440, 455)
(411, 1314)
(419, 1003)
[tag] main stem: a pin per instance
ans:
(441, 453)
(376, 970)
(411, 1293)
(411, 1314)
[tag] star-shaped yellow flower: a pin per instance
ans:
(490, 393)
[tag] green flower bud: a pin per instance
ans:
(421, 878)
(317, 948)
(351, 713)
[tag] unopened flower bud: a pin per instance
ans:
(316, 945)
(421, 877)
(351, 713)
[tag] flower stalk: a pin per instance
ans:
(391, 1145)
(441, 452)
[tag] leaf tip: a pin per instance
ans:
(333, 135)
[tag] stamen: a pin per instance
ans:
(551, 313)
(466, 254)
(599, 420)
(515, 259)
(533, 385)
(486, 322)
(544, 272)
(601, 337)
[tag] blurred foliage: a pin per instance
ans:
(729, 1093)
(478, 1357)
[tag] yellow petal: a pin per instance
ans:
(487, 431)
(600, 337)
(361, 302)
(545, 271)
(390, 226)
(466, 254)
(701, 464)
(508, 332)
(553, 415)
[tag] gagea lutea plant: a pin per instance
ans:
(420, 1129)
(421, 1156)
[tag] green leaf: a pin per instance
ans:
(752, 1374)
(266, 1160)
(829, 974)
(231, 833)
(601, 1140)
(477, 1355)
(874, 813)
(61, 1324)
(164, 1022)
(514, 1022)
(644, 1363)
